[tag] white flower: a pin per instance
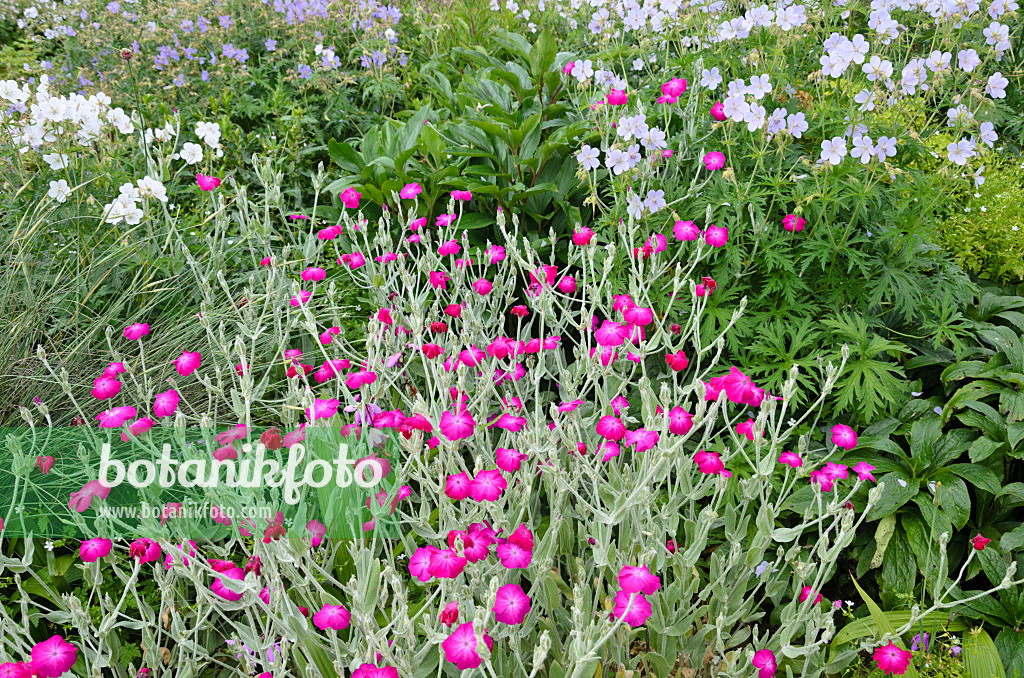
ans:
(56, 161)
(885, 148)
(122, 122)
(192, 153)
(587, 158)
(797, 124)
(710, 79)
(59, 190)
(209, 132)
(634, 206)
(617, 161)
(655, 201)
(755, 117)
(582, 69)
(653, 139)
(735, 107)
(863, 149)
(48, 545)
(759, 87)
(833, 151)
(960, 152)
(151, 188)
(968, 60)
(996, 87)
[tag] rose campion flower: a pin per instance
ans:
(17, 669)
(611, 428)
(410, 191)
(332, 617)
(711, 464)
(165, 404)
(680, 422)
(231, 572)
(187, 363)
(793, 223)
(116, 417)
(632, 608)
(44, 463)
(54, 657)
(450, 614)
(316, 530)
(419, 563)
(791, 459)
(979, 542)
(686, 231)
(764, 660)
(891, 659)
(843, 436)
(487, 485)
(716, 236)
(206, 183)
(350, 198)
(718, 112)
(863, 471)
(145, 551)
(301, 298)
(136, 331)
(617, 97)
(611, 334)
(513, 556)
(511, 605)
(446, 564)
(639, 579)
(582, 236)
(105, 387)
(460, 647)
(806, 592)
(94, 549)
(457, 426)
(714, 161)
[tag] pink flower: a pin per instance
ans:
(806, 592)
(313, 274)
(979, 543)
(765, 661)
(165, 404)
(450, 614)
(114, 369)
(714, 161)
(460, 647)
(617, 97)
(136, 331)
(483, 287)
(332, 617)
(677, 361)
(17, 670)
(207, 183)
(843, 436)
(457, 486)
(449, 247)
(679, 421)
(863, 471)
(686, 231)
(462, 195)
(145, 551)
(582, 236)
(457, 426)
(44, 464)
(718, 112)
(611, 334)
(611, 428)
(835, 471)
(446, 564)
(419, 563)
(105, 387)
(487, 485)
(716, 236)
(365, 670)
(223, 591)
(711, 464)
(410, 191)
(301, 298)
(509, 460)
(740, 389)
(512, 604)
(642, 439)
(329, 233)
(892, 659)
(54, 657)
(632, 608)
(513, 556)
(350, 198)
(445, 220)
(187, 363)
(791, 459)
(80, 500)
(316, 530)
(639, 579)
(567, 285)
(323, 409)
(94, 549)
(821, 480)
(116, 417)
(567, 69)
(523, 537)
(793, 223)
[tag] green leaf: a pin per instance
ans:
(542, 54)
(865, 626)
(883, 625)
(345, 157)
(955, 499)
(981, 658)
(1010, 644)
(979, 476)
(894, 495)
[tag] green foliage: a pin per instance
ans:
(987, 236)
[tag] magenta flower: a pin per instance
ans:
(365, 670)
(457, 426)
(317, 530)
(513, 556)
(718, 112)
(81, 499)
(686, 231)
(892, 659)
(714, 161)
(54, 657)
(165, 404)
(639, 580)
(457, 486)
(332, 617)
(187, 363)
(323, 409)
(611, 428)
(145, 551)
(410, 191)
(105, 387)
(632, 608)
(313, 274)
(483, 287)
(511, 605)
(582, 236)
(765, 661)
(460, 647)
(223, 591)
(419, 563)
(642, 439)
(446, 564)
(711, 464)
(716, 236)
(793, 223)
(116, 417)
(301, 298)
(843, 436)
(136, 331)
(679, 421)
(791, 459)
(462, 195)
(611, 334)
(674, 87)
(522, 536)
(94, 549)
(509, 460)
(617, 97)
(350, 198)
(207, 183)
(806, 592)
(487, 485)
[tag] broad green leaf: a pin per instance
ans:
(981, 658)
(884, 625)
